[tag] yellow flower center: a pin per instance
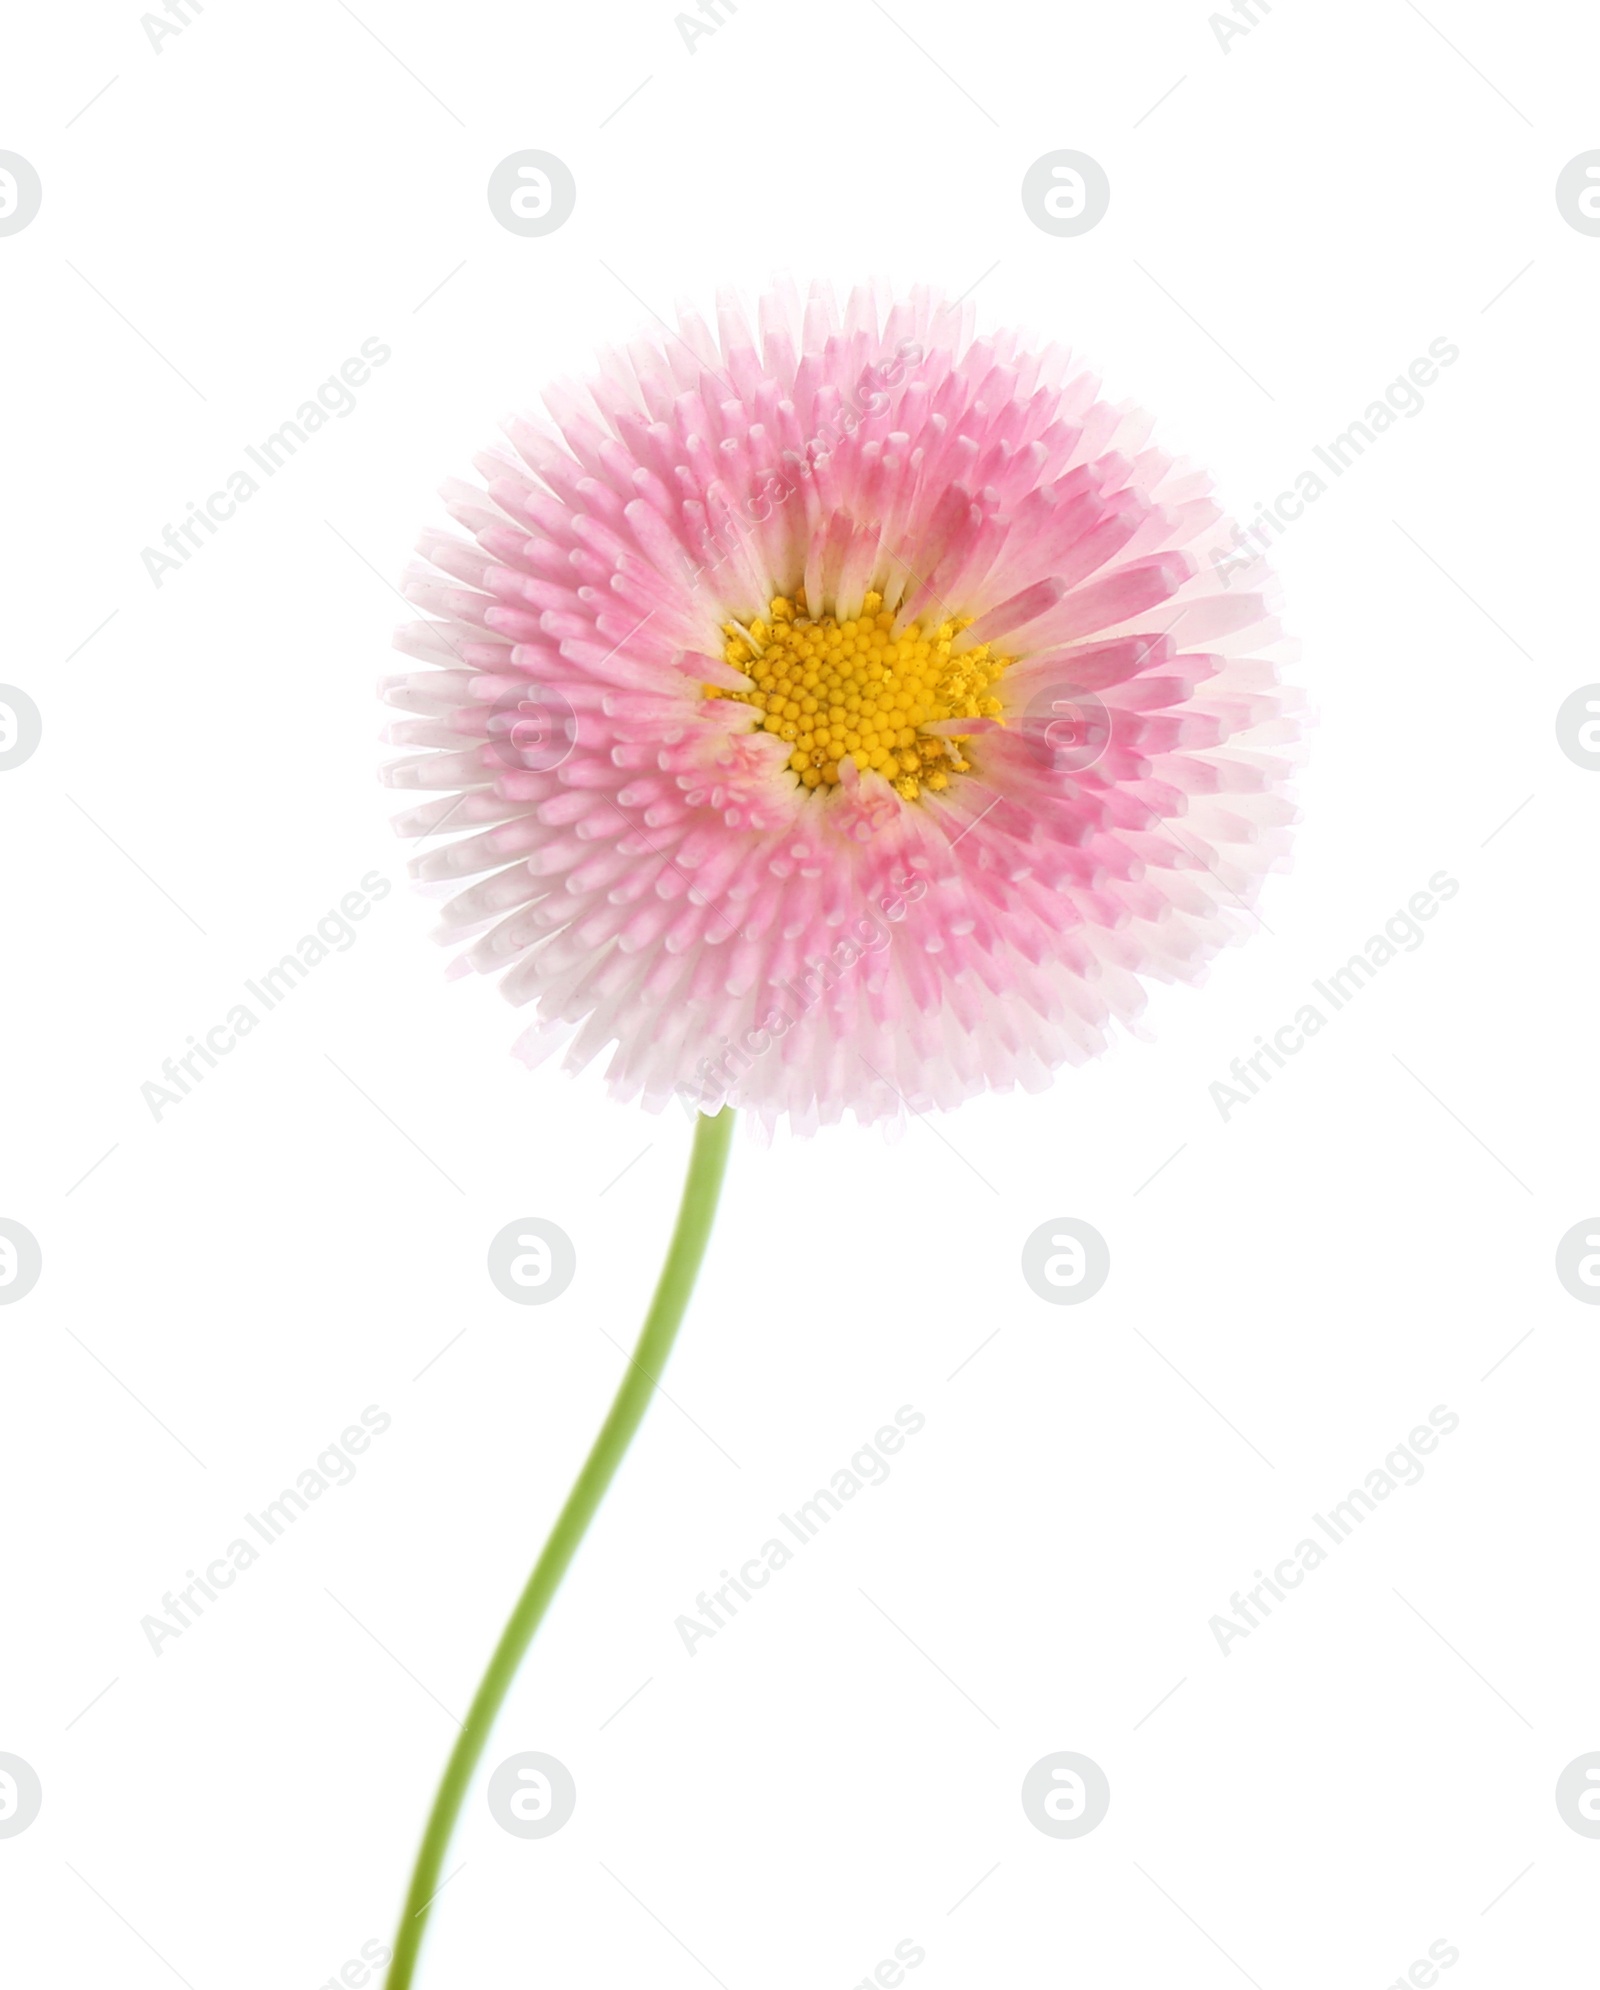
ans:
(853, 690)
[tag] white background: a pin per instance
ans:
(1370, 1770)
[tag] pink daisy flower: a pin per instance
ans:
(841, 713)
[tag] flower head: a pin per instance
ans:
(844, 713)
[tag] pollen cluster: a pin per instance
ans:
(855, 690)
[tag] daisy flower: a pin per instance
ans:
(839, 712)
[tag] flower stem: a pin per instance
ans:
(701, 1187)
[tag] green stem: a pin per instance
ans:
(701, 1188)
